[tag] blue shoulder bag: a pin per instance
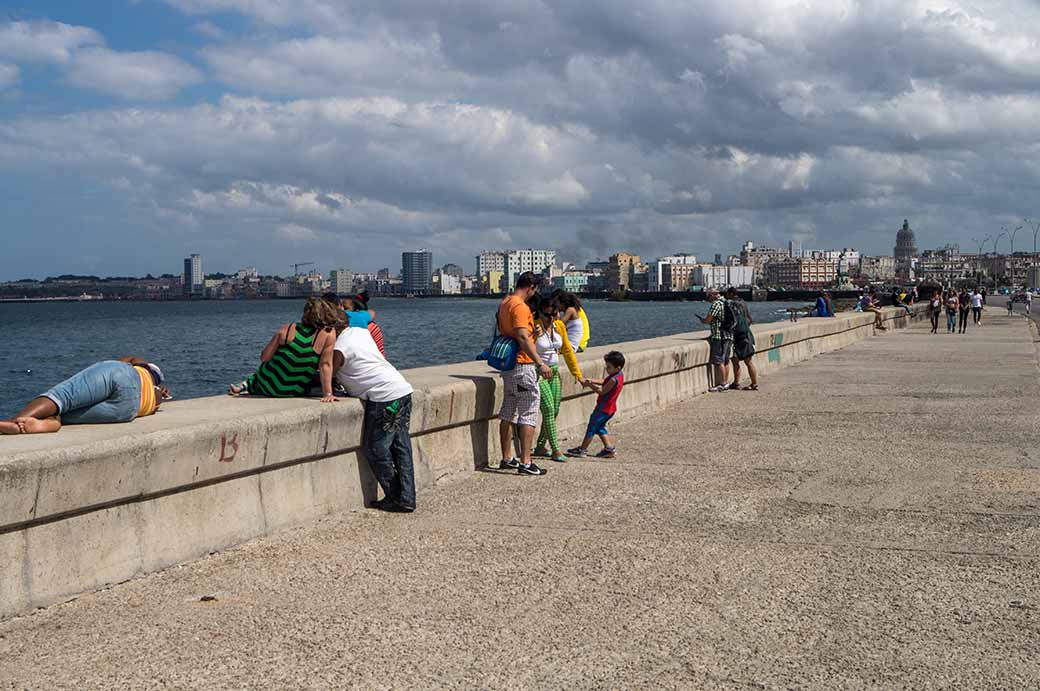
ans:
(502, 352)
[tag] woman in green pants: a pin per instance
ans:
(551, 341)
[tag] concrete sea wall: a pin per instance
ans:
(96, 505)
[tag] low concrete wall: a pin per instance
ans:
(95, 505)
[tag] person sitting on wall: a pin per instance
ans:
(869, 303)
(824, 307)
(109, 391)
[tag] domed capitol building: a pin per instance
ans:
(905, 251)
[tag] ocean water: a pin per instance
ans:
(204, 346)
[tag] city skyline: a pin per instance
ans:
(134, 131)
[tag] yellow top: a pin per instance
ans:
(567, 351)
(584, 329)
(149, 401)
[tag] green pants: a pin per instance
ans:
(551, 392)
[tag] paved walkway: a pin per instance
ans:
(870, 519)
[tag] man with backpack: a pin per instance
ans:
(720, 340)
(521, 397)
(743, 341)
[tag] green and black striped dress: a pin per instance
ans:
(290, 371)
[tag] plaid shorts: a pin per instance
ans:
(521, 396)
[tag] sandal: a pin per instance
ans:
(751, 387)
(559, 457)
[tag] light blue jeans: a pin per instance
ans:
(108, 391)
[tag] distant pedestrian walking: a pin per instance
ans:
(934, 310)
(976, 307)
(609, 390)
(964, 309)
(743, 342)
(1011, 304)
(110, 391)
(1029, 301)
(952, 305)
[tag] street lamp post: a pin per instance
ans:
(1011, 259)
(978, 257)
(1036, 230)
(996, 241)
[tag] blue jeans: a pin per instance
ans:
(388, 448)
(108, 391)
(951, 320)
(597, 424)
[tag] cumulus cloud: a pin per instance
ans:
(89, 64)
(146, 75)
(588, 127)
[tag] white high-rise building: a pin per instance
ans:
(341, 281)
(657, 269)
(193, 278)
(490, 261)
(519, 261)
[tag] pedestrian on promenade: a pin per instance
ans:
(869, 303)
(952, 305)
(365, 374)
(1029, 301)
(743, 341)
(109, 391)
(572, 314)
(964, 307)
(976, 306)
(609, 389)
(1011, 303)
(551, 341)
(295, 353)
(720, 340)
(521, 391)
(934, 309)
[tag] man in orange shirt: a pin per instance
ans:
(520, 401)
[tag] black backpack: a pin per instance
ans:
(730, 316)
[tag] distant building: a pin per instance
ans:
(658, 282)
(417, 272)
(446, 283)
(877, 268)
(341, 282)
(453, 270)
(491, 261)
(194, 280)
(572, 281)
(905, 251)
(491, 282)
(759, 257)
(794, 248)
(518, 261)
(720, 276)
(677, 277)
(944, 266)
(620, 269)
(801, 273)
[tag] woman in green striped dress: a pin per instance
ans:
(295, 353)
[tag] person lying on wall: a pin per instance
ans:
(109, 391)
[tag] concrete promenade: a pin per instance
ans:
(870, 519)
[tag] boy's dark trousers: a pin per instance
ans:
(388, 448)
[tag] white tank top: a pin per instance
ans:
(548, 346)
(575, 328)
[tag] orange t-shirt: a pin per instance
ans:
(513, 314)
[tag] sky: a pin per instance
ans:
(268, 132)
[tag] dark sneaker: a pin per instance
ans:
(512, 463)
(383, 504)
(577, 452)
(530, 469)
(607, 452)
(398, 508)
